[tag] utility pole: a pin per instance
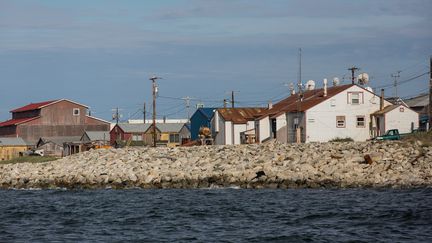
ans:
(144, 113)
(300, 99)
(395, 76)
(153, 79)
(232, 99)
(116, 116)
(353, 69)
(430, 93)
(187, 99)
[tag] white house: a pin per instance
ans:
(324, 114)
(229, 124)
(395, 117)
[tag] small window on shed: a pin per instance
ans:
(76, 111)
(361, 121)
(340, 121)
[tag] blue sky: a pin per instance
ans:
(101, 53)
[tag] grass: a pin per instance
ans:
(337, 139)
(29, 159)
(424, 137)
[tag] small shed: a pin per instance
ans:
(185, 134)
(170, 133)
(59, 146)
(12, 147)
(395, 117)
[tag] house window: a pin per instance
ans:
(174, 138)
(361, 121)
(333, 103)
(76, 111)
(340, 121)
(137, 137)
(355, 98)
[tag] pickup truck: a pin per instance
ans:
(393, 134)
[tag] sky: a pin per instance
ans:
(102, 53)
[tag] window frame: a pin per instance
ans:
(74, 113)
(357, 122)
(338, 119)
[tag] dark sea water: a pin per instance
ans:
(216, 215)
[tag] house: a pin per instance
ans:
(201, 118)
(54, 118)
(167, 134)
(395, 117)
(420, 104)
(99, 137)
(135, 134)
(321, 115)
(185, 134)
(229, 123)
(170, 133)
(59, 146)
(12, 147)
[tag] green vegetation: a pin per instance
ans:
(424, 137)
(337, 139)
(30, 159)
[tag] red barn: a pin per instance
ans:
(55, 118)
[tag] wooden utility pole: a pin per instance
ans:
(153, 79)
(353, 69)
(396, 76)
(232, 99)
(116, 115)
(430, 93)
(144, 113)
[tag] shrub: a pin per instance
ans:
(337, 139)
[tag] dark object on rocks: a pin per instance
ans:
(368, 159)
(259, 174)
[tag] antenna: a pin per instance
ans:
(353, 69)
(363, 78)
(310, 85)
(336, 81)
(396, 76)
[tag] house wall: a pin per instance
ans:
(219, 138)
(321, 119)
(184, 133)
(281, 128)
(10, 152)
(237, 129)
(264, 129)
(198, 120)
(8, 131)
(25, 114)
(402, 120)
(52, 149)
(292, 127)
(228, 132)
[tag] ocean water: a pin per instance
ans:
(216, 215)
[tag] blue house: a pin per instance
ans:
(201, 118)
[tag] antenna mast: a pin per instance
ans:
(396, 76)
(353, 69)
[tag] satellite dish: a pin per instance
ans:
(363, 78)
(310, 85)
(291, 88)
(369, 89)
(336, 81)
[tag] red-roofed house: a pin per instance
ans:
(321, 115)
(53, 118)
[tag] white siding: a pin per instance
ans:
(228, 132)
(321, 119)
(281, 132)
(218, 121)
(396, 119)
(238, 128)
(264, 129)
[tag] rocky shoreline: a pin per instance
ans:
(272, 165)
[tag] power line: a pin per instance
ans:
(402, 82)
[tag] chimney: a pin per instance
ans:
(325, 87)
(270, 104)
(382, 100)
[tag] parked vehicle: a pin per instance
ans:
(393, 134)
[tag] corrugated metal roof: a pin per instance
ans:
(60, 140)
(240, 115)
(169, 127)
(5, 141)
(134, 128)
(98, 135)
(33, 106)
(311, 98)
(16, 121)
(421, 100)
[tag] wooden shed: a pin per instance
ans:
(12, 147)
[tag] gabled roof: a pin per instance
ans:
(388, 109)
(33, 106)
(40, 105)
(17, 121)
(240, 115)
(310, 99)
(169, 127)
(134, 128)
(419, 101)
(207, 112)
(58, 140)
(5, 141)
(97, 135)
